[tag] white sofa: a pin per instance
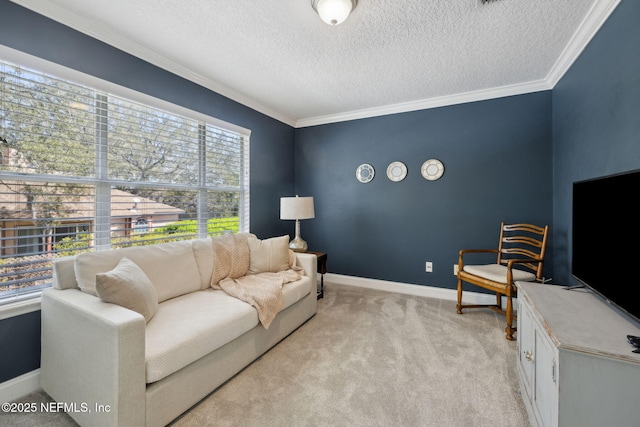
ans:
(112, 366)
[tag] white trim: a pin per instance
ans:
(19, 305)
(596, 17)
(443, 101)
(410, 289)
(20, 386)
(592, 22)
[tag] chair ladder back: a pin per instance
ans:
(529, 228)
(523, 240)
(517, 245)
(526, 253)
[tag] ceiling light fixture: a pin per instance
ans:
(333, 12)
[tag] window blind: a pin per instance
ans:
(82, 169)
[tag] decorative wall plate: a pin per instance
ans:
(432, 169)
(365, 173)
(396, 171)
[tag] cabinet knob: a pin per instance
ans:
(528, 355)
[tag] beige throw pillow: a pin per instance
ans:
(127, 285)
(269, 255)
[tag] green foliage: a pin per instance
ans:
(73, 245)
(180, 230)
(215, 226)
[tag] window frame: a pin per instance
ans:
(23, 303)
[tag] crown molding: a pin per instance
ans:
(593, 21)
(442, 101)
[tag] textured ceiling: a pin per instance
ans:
(278, 57)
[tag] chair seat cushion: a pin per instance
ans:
(498, 273)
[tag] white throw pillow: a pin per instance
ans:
(269, 255)
(127, 286)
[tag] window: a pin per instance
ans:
(83, 168)
(27, 241)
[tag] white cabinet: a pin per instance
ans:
(537, 366)
(575, 365)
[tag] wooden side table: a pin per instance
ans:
(322, 269)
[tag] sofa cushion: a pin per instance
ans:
(191, 326)
(127, 285)
(268, 255)
(188, 327)
(171, 267)
(203, 253)
(295, 291)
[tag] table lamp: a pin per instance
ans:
(297, 208)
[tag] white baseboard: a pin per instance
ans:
(410, 289)
(20, 386)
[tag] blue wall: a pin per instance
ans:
(19, 345)
(497, 156)
(596, 120)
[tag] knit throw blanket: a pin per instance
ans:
(263, 290)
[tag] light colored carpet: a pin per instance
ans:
(370, 358)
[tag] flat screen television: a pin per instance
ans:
(606, 237)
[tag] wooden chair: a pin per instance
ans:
(521, 251)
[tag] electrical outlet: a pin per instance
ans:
(455, 269)
(428, 267)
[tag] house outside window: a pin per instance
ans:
(83, 168)
(141, 225)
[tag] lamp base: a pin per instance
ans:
(298, 245)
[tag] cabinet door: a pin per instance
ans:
(526, 348)
(545, 381)
(537, 363)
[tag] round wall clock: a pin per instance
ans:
(432, 169)
(365, 173)
(396, 171)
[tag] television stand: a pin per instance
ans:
(575, 365)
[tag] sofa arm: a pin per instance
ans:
(309, 262)
(93, 358)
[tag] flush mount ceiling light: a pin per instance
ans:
(333, 12)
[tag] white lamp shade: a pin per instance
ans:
(333, 12)
(296, 208)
